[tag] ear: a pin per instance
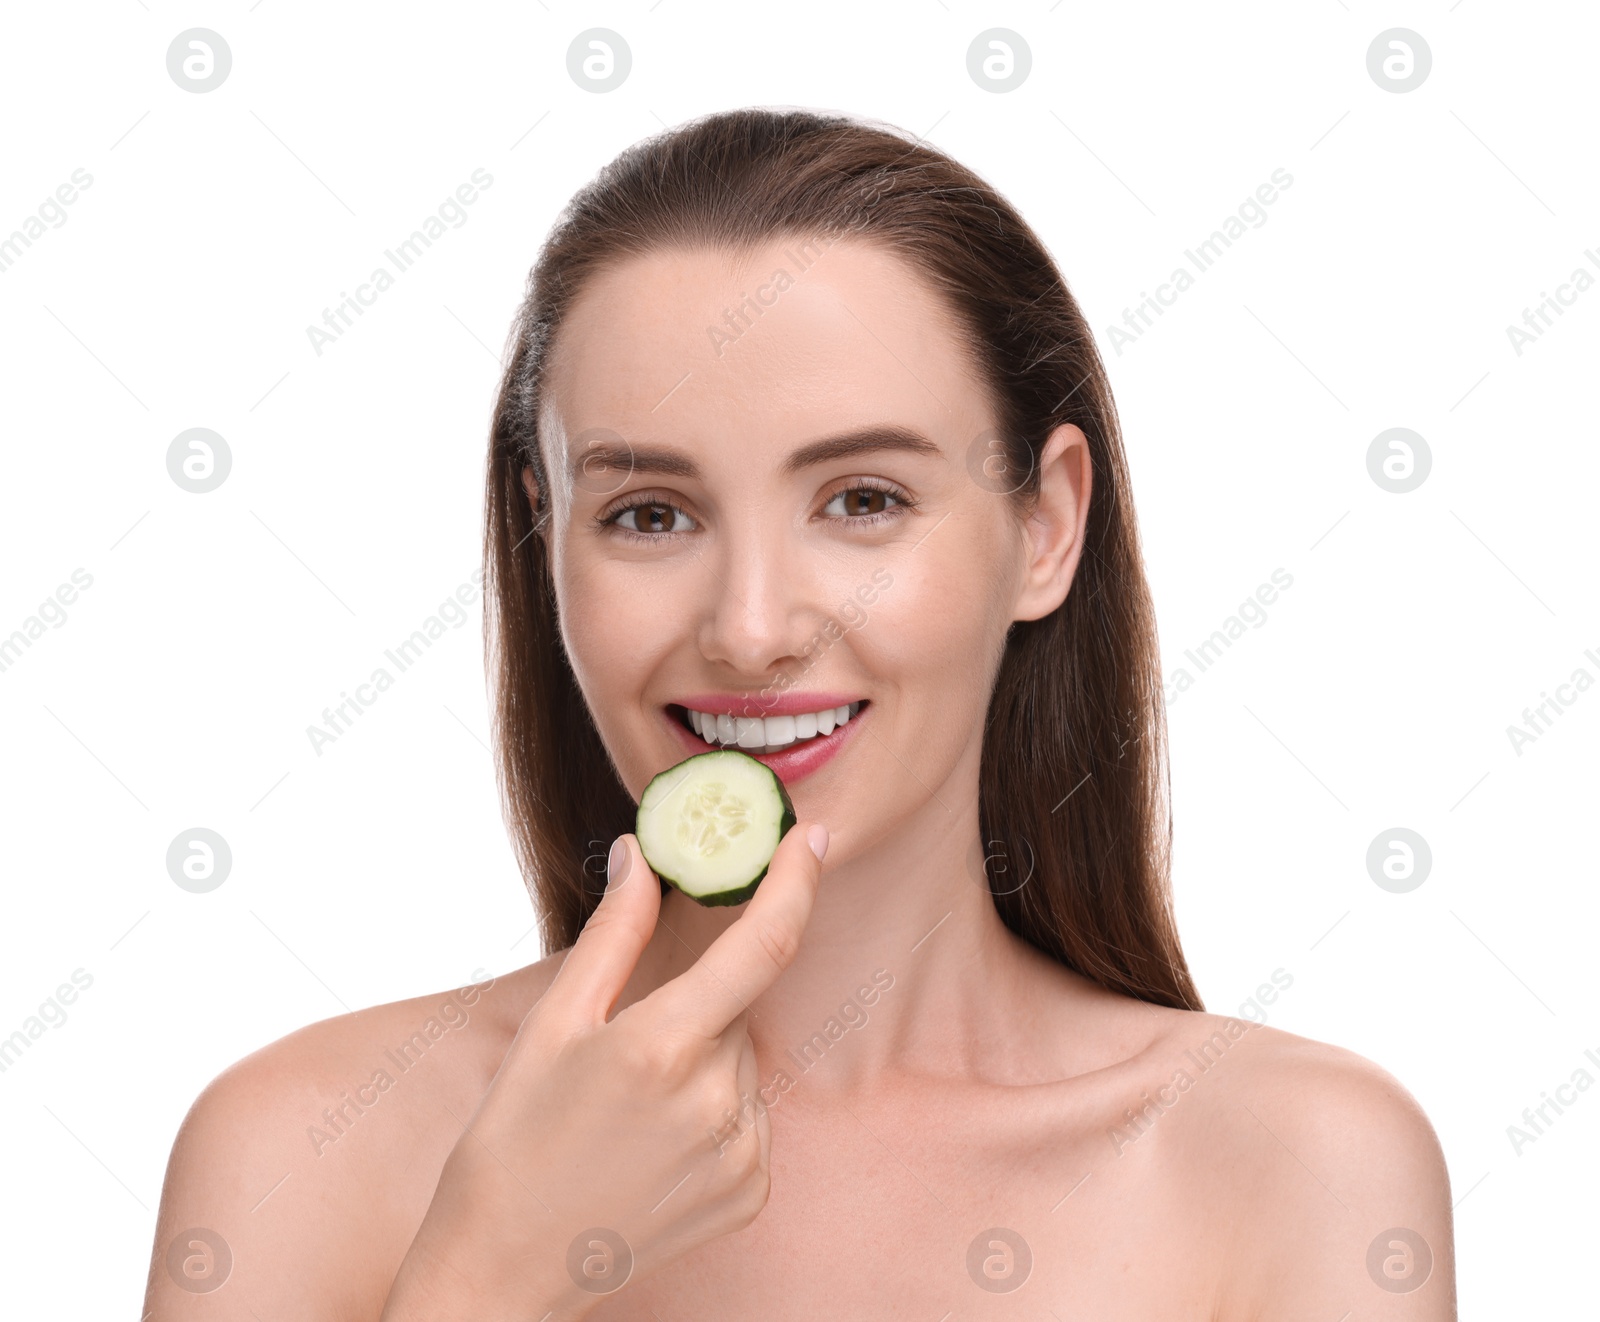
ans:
(1054, 530)
(531, 487)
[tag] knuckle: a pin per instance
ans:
(648, 1054)
(751, 1169)
(612, 921)
(663, 1057)
(755, 1189)
(778, 942)
(714, 1097)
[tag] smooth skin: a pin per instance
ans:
(642, 1082)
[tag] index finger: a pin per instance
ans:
(749, 955)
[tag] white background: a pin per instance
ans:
(1377, 694)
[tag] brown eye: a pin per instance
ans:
(654, 518)
(866, 501)
(861, 503)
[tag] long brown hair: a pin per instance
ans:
(1073, 788)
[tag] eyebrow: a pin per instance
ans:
(667, 462)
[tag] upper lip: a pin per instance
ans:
(754, 704)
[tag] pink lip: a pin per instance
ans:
(777, 704)
(792, 764)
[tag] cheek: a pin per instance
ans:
(615, 623)
(936, 635)
(929, 651)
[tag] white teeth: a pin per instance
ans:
(757, 734)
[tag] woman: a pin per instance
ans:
(800, 425)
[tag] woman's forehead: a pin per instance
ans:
(780, 340)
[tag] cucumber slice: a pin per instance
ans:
(710, 825)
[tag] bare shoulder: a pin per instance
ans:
(1330, 1104)
(1325, 1096)
(1327, 1168)
(1324, 1092)
(301, 1171)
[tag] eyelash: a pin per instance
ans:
(903, 502)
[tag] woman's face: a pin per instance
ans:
(768, 501)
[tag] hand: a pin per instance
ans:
(607, 1127)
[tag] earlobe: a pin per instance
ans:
(1054, 530)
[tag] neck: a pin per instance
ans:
(904, 966)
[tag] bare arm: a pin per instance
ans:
(1346, 1195)
(243, 1228)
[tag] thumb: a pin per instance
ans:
(607, 950)
(747, 957)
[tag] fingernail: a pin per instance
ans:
(614, 862)
(817, 838)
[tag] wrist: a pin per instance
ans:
(473, 1270)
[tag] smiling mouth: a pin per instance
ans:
(765, 734)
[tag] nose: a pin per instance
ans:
(760, 614)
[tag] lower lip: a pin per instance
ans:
(791, 764)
